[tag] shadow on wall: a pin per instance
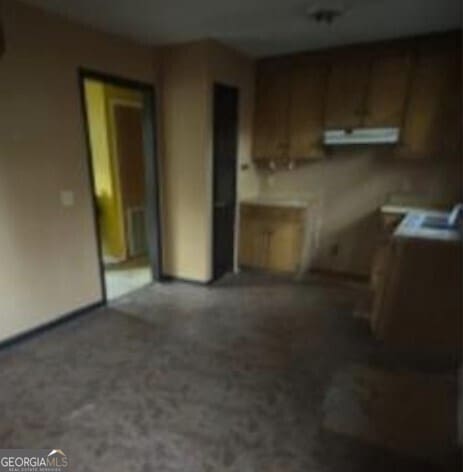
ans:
(350, 188)
(349, 248)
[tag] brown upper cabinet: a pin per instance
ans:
(2, 37)
(271, 140)
(387, 91)
(432, 124)
(306, 111)
(368, 90)
(347, 87)
(413, 84)
(290, 101)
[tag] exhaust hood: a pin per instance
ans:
(341, 137)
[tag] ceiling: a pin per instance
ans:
(260, 27)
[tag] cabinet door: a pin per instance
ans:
(379, 279)
(249, 254)
(306, 113)
(347, 89)
(284, 247)
(271, 113)
(2, 38)
(387, 92)
(433, 123)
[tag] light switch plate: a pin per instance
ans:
(67, 198)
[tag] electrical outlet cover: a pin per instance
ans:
(67, 198)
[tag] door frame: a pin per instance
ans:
(152, 165)
(214, 275)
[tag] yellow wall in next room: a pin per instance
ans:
(102, 132)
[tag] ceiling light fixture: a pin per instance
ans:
(326, 12)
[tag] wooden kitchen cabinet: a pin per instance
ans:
(271, 141)
(284, 246)
(432, 125)
(418, 304)
(388, 88)
(368, 90)
(271, 238)
(412, 84)
(252, 242)
(347, 89)
(379, 272)
(289, 112)
(306, 113)
(389, 221)
(2, 37)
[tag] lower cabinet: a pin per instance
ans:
(417, 301)
(379, 270)
(271, 238)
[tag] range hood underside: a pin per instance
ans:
(340, 137)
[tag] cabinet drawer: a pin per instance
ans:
(276, 213)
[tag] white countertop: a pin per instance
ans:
(404, 210)
(283, 202)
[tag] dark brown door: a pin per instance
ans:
(225, 144)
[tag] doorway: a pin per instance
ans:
(120, 129)
(225, 147)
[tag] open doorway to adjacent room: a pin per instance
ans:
(121, 130)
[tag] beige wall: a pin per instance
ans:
(351, 188)
(48, 254)
(185, 189)
(189, 71)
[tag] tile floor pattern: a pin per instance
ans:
(235, 377)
